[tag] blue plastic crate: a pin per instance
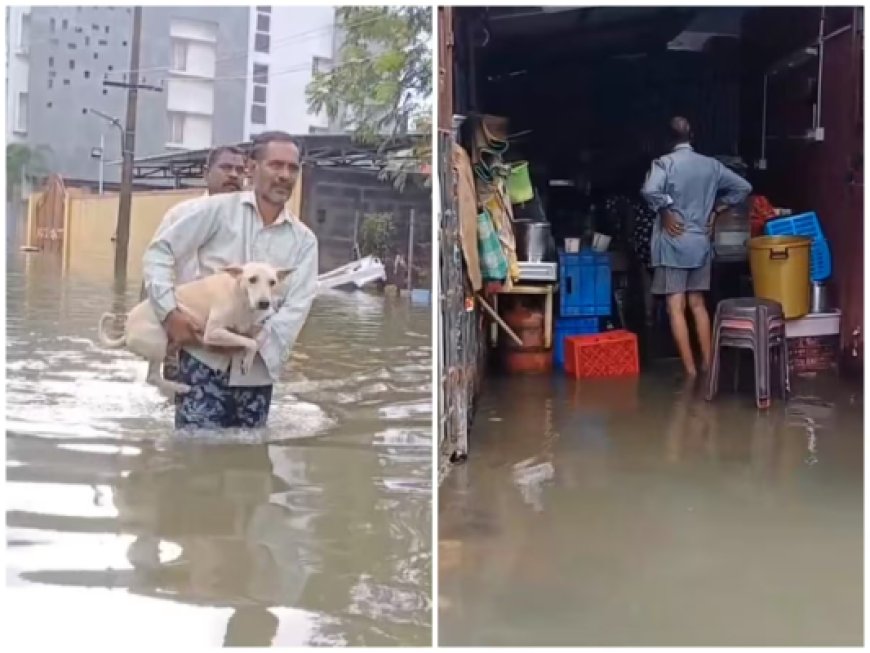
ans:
(584, 284)
(806, 224)
(571, 326)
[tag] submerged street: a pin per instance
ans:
(630, 512)
(316, 530)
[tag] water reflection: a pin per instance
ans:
(635, 513)
(314, 530)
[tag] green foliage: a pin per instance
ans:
(382, 79)
(377, 232)
(404, 165)
(22, 163)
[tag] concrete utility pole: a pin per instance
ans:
(122, 232)
(128, 150)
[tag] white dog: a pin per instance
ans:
(231, 304)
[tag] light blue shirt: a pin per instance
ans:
(227, 229)
(689, 184)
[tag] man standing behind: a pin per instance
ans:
(224, 173)
(687, 191)
(227, 229)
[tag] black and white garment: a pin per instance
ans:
(644, 219)
(212, 403)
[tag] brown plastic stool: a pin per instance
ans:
(757, 325)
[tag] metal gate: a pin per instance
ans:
(462, 345)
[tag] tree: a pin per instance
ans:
(24, 163)
(381, 83)
(377, 232)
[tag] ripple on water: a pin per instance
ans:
(323, 517)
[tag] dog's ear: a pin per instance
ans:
(283, 273)
(235, 271)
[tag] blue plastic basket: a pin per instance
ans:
(571, 326)
(584, 284)
(808, 225)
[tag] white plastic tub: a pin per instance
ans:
(814, 325)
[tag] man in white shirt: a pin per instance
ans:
(228, 229)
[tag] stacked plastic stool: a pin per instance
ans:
(757, 325)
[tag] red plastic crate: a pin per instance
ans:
(603, 355)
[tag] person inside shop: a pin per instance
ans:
(688, 191)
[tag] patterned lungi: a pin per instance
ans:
(212, 403)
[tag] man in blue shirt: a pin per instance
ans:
(687, 191)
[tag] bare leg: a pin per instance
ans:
(168, 388)
(680, 329)
(702, 327)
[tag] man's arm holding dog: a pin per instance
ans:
(189, 226)
(280, 331)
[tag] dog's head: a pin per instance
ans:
(260, 282)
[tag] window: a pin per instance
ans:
(102, 42)
(64, 24)
(261, 73)
(259, 94)
(320, 65)
(258, 114)
(264, 10)
(87, 40)
(71, 46)
(87, 74)
(72, 64)
(179, 55)
(51, 62)
(261, 43)
(263, 22)
(107, 29)
(52, 25)
(24, 34)
(50, 83)
(21, 114)
(176, 128)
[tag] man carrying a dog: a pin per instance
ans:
(225, 171)
(234, 229)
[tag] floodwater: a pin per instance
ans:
(631, 512)
(315, 530)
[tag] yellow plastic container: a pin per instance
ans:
(780, 268)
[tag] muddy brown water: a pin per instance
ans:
(315, 530)
(635, 513)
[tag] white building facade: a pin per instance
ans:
(288, 44)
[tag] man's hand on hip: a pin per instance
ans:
(672, 224)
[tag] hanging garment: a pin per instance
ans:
(466, 200)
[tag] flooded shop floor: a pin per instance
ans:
(315, 530)
(633, 512)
